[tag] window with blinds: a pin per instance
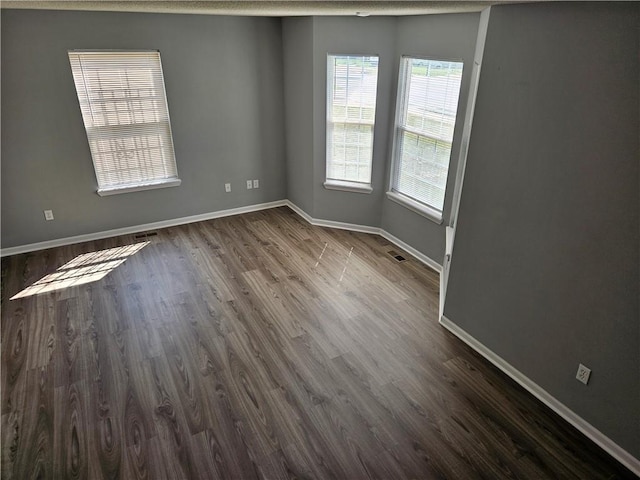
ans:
(352, 82)
(124, 108)
(428, 95)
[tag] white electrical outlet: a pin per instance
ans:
(583, 374)
(227, 187)
(249, 184)
(256, 184)
(48, 215)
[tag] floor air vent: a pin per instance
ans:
(145, 235)
(396, 255)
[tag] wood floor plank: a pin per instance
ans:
(10, 429)
(42, 331)
(246, 391)
(173, 432)
(229, 451)
(71, 457)
(295, 429)
(15, 348)
(257, 346)
(268, 295)
(183, 367)
(35, 450)
(69, 357)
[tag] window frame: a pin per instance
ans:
(428, 211)
(124, 130)
(343, 184)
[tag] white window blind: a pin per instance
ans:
(352, 82)
(428, 95)
(124, 108)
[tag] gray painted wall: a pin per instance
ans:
(344, 35)
(439, 36)
(446, 36)
(228, 111)
(224, 82)
(297, 39)
(545, 264)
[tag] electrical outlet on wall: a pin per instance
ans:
(249, 184)
(256, 184)
(583, 374)
(48, 215)
(227, 187)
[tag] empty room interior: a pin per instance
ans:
(320, 240)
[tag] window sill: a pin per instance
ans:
(344, 186)
(417, 207)
(103, 192)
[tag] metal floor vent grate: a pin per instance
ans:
(145, 235)
(396, 255)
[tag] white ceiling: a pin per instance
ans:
(279, 8)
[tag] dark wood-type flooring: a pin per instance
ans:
(256, 346)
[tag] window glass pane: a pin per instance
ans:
(428, 95)
(351, 106)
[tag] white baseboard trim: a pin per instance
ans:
(354, 227)
(59, 242)
(299, 211)
(566, 413)
(428, 261)
(367, 229)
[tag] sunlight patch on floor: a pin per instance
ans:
(85, 268)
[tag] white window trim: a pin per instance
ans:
(343, 185)
(431, 213)
(105, 192)
(335, 183)
(415, 206)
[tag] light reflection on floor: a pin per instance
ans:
(85, 268)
